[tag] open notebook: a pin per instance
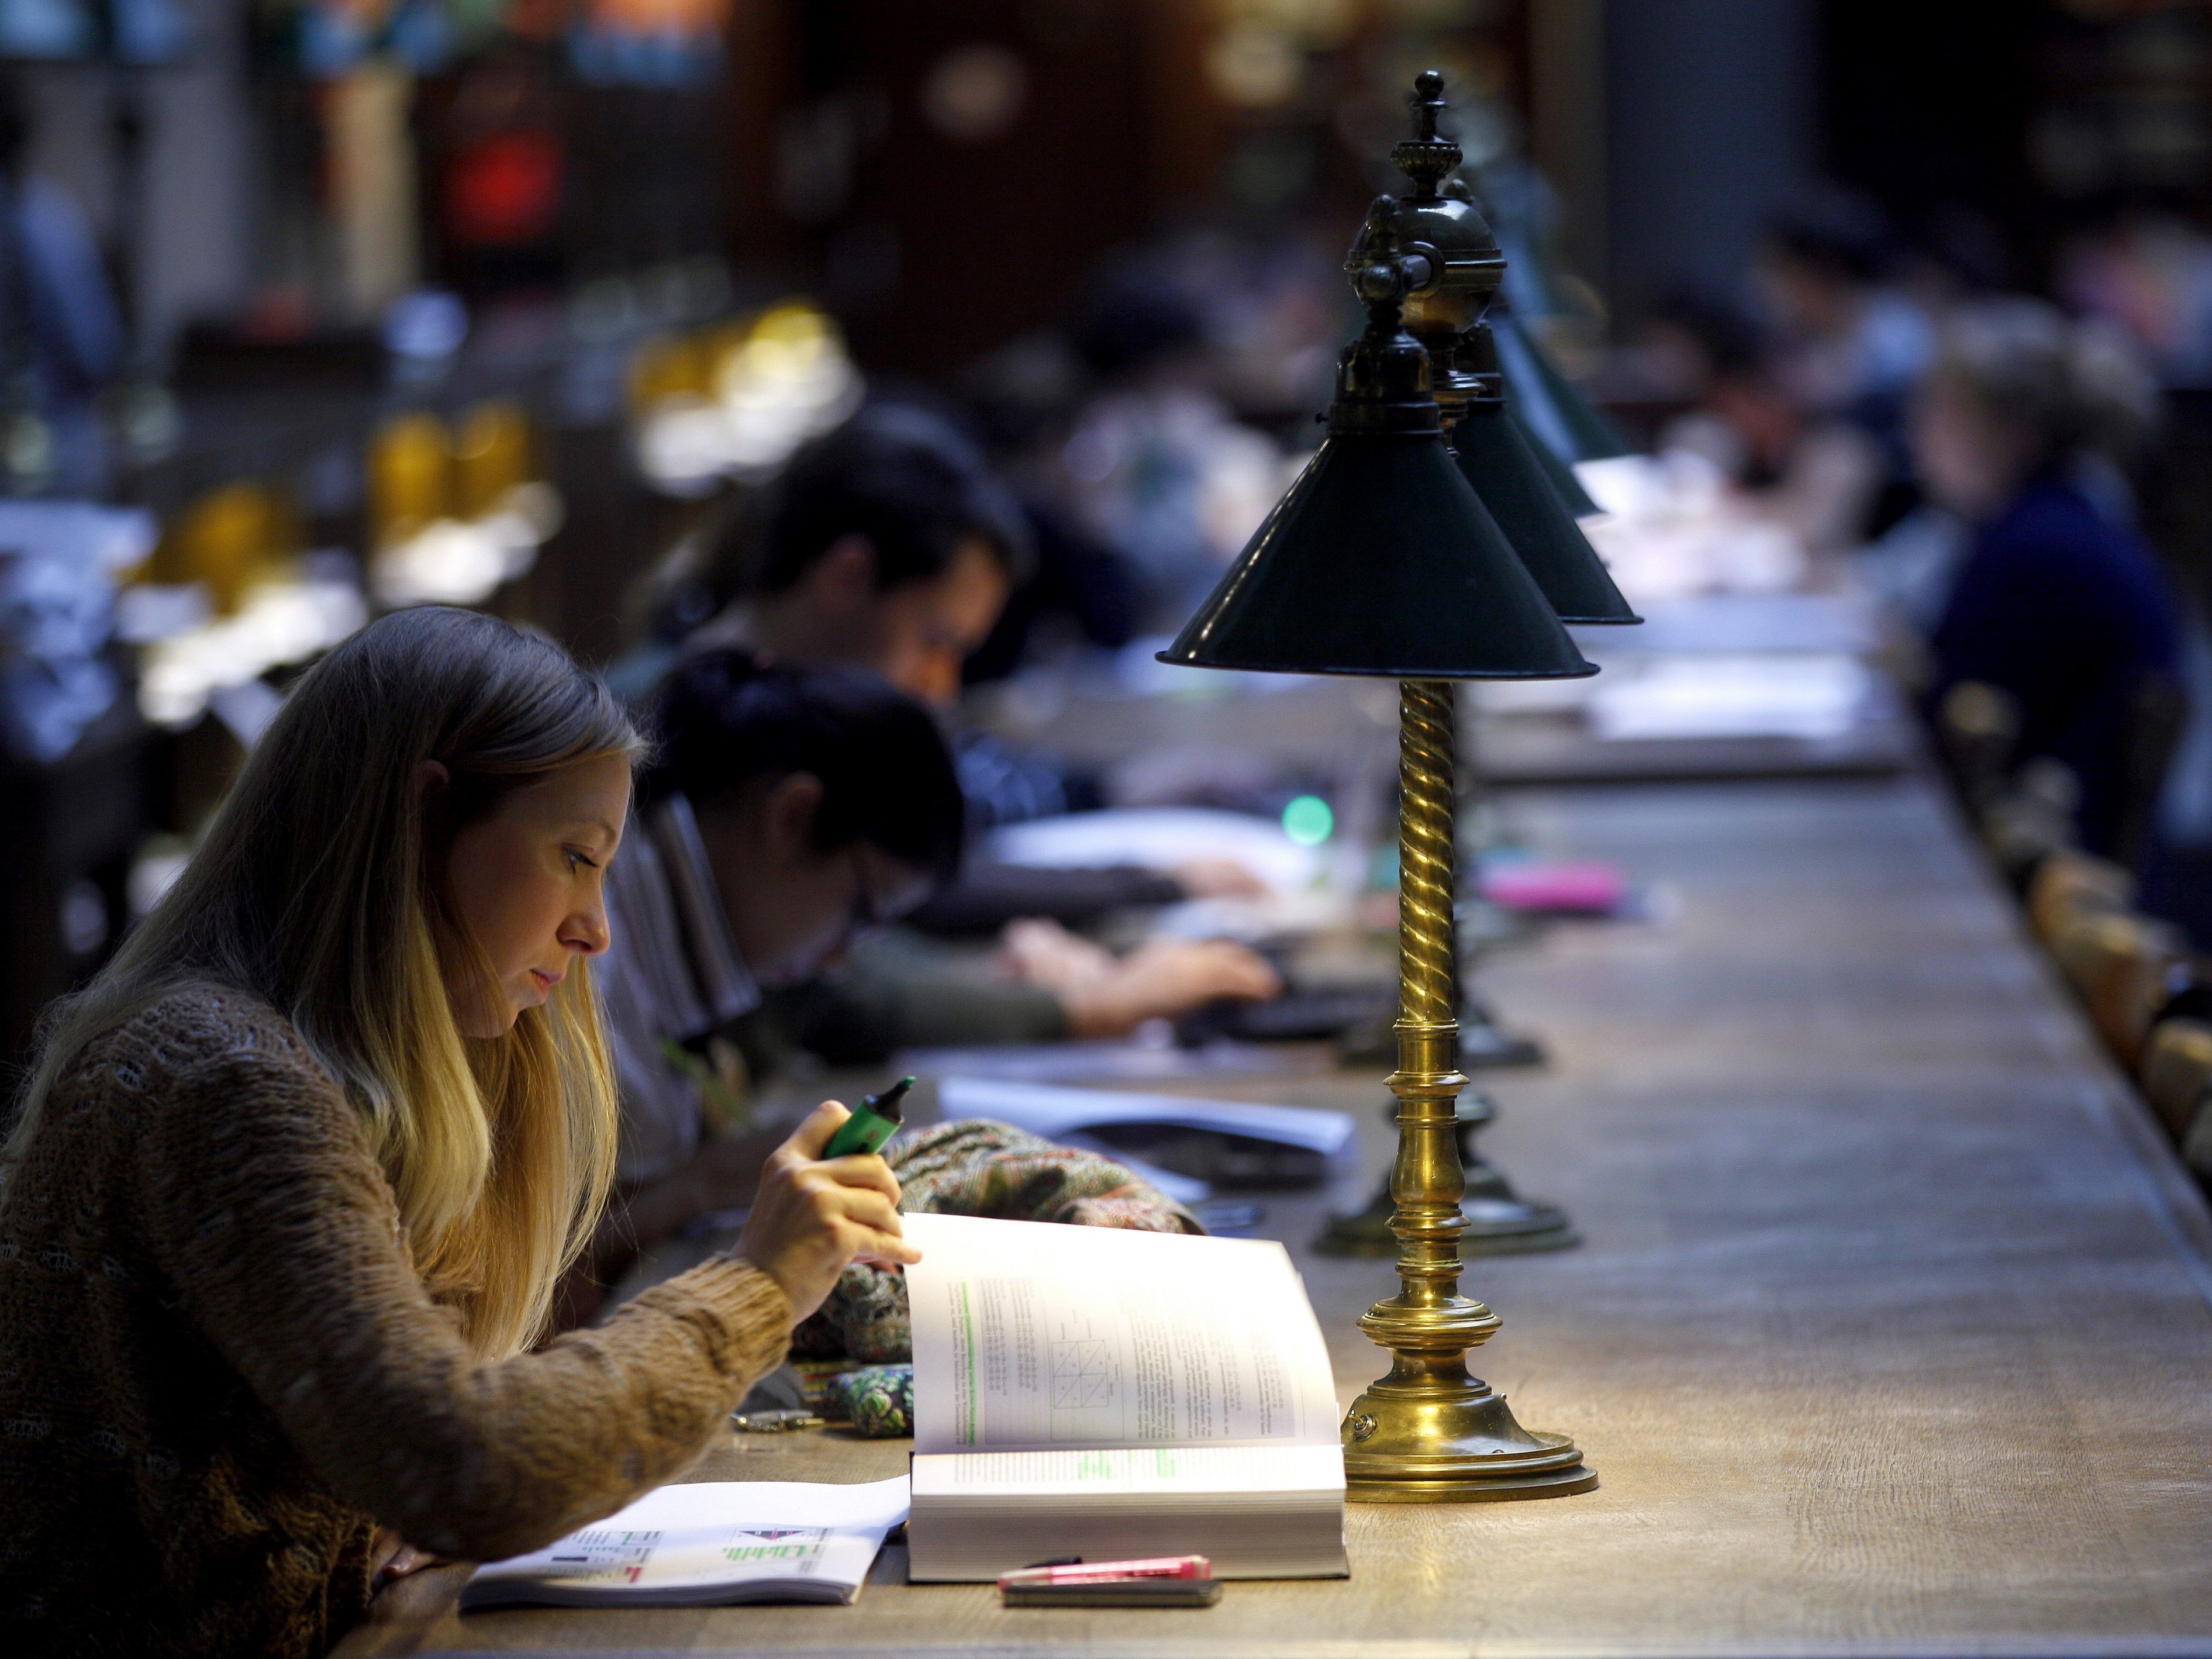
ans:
(1091, 1392)
(708, 1543)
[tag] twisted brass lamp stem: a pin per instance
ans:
(1426, 1182)
(1428, 1431)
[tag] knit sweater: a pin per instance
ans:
(219, 1369)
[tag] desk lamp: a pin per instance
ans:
(1450, 318)
(1552, 405)
(1381, 560)
(1515, 479)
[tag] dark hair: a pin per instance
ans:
(1723, 328)
(1837, 232)
(721, 720)
(1133, 318)
(898, 474)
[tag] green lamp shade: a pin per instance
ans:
(1511, 482)
(1554, 407)
(1579, 502)
(1381, 559)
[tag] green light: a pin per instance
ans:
(1308, 821)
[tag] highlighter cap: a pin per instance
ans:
(889, 1105)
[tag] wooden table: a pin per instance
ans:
(1892, 1333)
(1336, 732)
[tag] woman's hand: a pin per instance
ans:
(810, 1217)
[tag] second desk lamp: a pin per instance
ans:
(1383, 559)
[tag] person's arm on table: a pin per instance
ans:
(283, 1246)
(721, 1175)
(898, 990)
(1105, 995)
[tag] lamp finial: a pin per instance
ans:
(1425, 158)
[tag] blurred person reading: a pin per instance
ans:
(2057, 602)
(888, 546)
(789, 811)
(1154, 464)
(301, 1168)
(1851, 345)
(1814, 473)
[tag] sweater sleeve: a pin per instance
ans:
(280, 1236)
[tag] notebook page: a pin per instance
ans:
(720, 1533)
(1029, 1336)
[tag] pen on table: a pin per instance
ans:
(874, 1120)
(1076, 1570)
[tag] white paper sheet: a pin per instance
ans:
(710, 1541)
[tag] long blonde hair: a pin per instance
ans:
(320, 887)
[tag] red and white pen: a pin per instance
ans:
(1107, 1572)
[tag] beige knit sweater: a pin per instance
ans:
(219, 1370)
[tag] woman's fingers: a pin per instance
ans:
(833, 1200)
(870, 1209)
(863, 1170)
(814, 1132)
(872, 1226)
(888, 1252)
(885, 1246)
(811, 1215)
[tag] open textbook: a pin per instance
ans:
(708, 1543)
(1093, 1392)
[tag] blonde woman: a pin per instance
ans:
(295, 1176)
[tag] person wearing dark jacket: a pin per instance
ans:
(2058, 604)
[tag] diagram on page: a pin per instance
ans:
(1086, 1398)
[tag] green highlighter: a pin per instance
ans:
(875, 1121)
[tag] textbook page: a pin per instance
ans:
(1173, 1470)
(699, 1542)
(1033, 1337)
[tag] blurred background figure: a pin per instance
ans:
(60, 331)
(889, 546)
(1850, 343)
(2150, 274)
(887, 543)
(786, 812)
(2020, 427)
(1814, 472)
(1153, 463)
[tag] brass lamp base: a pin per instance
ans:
(1430, 1432)
(1415, 1438)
